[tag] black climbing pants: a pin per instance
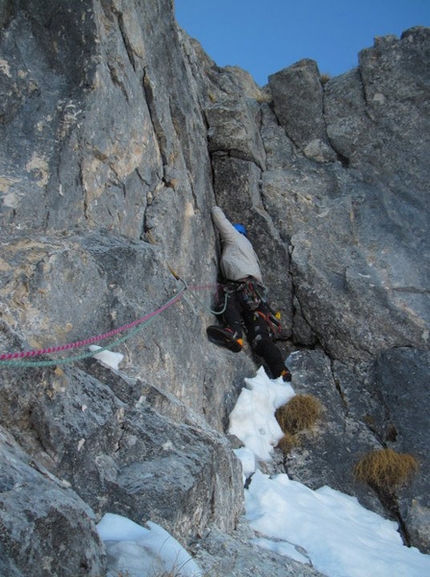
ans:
(258, 332)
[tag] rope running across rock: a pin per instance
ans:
(17, 359)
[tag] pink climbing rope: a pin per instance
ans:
(91, 340)
(69, 346)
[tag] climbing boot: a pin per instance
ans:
(286, 376)
(224, 338)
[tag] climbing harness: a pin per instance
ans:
(253, 295)
(250, 292)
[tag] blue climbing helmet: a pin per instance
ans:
(240, 228)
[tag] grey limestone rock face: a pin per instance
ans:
(219, 553)
(43, 521)
(402, 376)
(357, 227)
(298, 98)
(117, 136)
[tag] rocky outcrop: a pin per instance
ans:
(36, 524)
(118, 134)
(401, 376)
(351, 234)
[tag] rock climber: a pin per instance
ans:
(245, 299)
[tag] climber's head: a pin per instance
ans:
(240, 228)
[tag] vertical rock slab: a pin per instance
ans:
(298, 103)
(402, 378)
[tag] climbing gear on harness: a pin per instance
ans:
(225, 338)
(250, 292)
(271, 319)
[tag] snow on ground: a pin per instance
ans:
(253, 418)
(327, 528)
(136, 551)
(339, 536)
(107, 358)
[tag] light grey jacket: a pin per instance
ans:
(238, 258)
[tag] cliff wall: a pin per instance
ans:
(118, 134)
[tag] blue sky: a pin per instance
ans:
(263, 37)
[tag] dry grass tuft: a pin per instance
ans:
(301, 412)
(287, 443)
(385, 469)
